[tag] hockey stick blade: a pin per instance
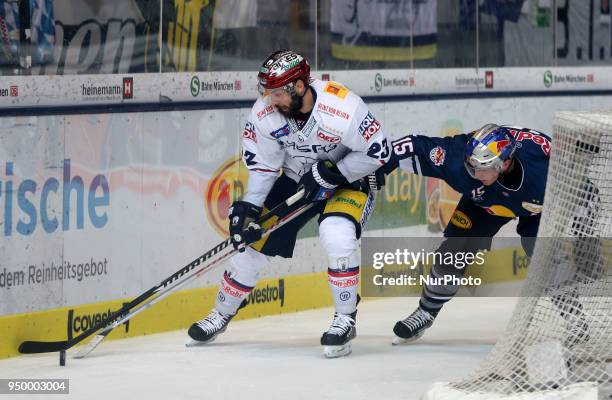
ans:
(34, 347)
(93, 343)
(105, 326)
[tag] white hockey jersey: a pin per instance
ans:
(340, 128)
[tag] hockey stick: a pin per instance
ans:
(218, 253)
(93, 343)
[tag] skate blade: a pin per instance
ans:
(398, 341)
(337, 351)
(198, 343)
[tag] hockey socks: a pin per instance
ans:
(344, 285)
(230, 295)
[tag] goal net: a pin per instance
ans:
(558, 344)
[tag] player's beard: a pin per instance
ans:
(294, 108)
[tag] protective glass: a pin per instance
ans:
(472, 166)
(276, 94)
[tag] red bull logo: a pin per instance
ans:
(533, 136)
(437, 155)
(227, 184)
(501, 145)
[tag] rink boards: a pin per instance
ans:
(271, 296)
(178, 311)
(96, 209)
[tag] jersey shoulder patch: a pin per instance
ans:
(334, 99)
(335, 89)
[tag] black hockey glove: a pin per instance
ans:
(242, 226)
(374, 182)
(369, 183)
(378, 178)
(320, 182)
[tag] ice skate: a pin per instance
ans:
(336, 341)
(207, 329)
(413, 327)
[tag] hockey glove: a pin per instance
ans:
(373, 182)
(378, 179)
(369, 183)
(242, 226)
(320, 182)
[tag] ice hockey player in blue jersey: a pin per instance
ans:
(500, 172)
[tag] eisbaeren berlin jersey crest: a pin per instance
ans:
(340, 123)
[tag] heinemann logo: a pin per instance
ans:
(13, 91)
(109, 92)
(548, 79)
(102, 91)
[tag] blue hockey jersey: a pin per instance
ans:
(443, 158)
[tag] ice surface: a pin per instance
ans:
(279, 357)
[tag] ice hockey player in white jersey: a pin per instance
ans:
(319, 136)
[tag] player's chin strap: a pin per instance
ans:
(180, 278)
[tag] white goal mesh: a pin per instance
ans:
(558, 343)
